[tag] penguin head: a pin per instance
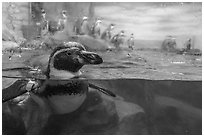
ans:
(43, 11)
(98, 21)
(65, 62)
(122, 32)
(64, 12)
(69, 58)
(112, 26)
(85, 18)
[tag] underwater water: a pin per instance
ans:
(165, 87)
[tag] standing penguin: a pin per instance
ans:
(85, 29)
(77, 26)
(44, 23)
(118, 39)
(96, 29)
(62, 20)
(107, 34)
(188, 44)
(130, 41)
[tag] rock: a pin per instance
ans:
(25, 22)
(169, 44)
(6, 45)
(17, 24)
(11, 35)
(7, 35)
(20, 40)
(21, 16)
(13, 15)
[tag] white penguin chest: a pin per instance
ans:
(62, 104)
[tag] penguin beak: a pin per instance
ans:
(90, 57)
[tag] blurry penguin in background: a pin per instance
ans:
(96, 29)
(118, 39)
(188, 44)
(130, 41)
(44, 20)
(62, 21)
(44, 23)
(106, 35)
(54, 26)
(77, 26)
(85, 29)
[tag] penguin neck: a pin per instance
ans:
(63, 104)
(43, 16)
(62, 74)
(84, 21)
(97, 24)
(64, 16)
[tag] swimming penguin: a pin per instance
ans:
(106, 35)
(60, 97)
(68, 106)
(96, 30)
(85, 29)
(65, 62)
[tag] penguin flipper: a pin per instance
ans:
(105, 91)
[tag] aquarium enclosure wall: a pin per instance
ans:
(102, 68)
